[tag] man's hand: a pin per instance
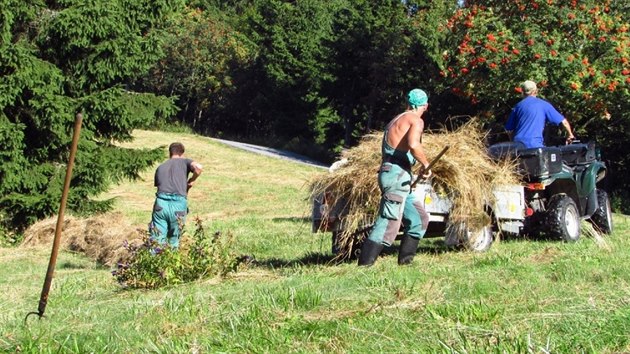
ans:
(570, 139)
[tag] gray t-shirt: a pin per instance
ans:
(171, 176)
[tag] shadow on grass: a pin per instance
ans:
(311, 258)
(317, 258)
(293, 219)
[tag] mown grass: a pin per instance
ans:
(521, 296)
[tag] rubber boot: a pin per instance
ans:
(408, 249)
(369, 252)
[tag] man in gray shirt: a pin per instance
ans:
(171, 206)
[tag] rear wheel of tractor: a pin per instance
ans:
(473, 239)
(602, 218)
(563, 218)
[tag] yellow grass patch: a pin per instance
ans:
(100, 237)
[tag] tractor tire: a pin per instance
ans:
(476, 240)
(602, 218)
(563, 218)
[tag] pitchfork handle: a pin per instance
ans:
(422, 169)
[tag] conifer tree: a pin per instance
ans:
(58, 58)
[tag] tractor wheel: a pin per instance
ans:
(602, 218)
(563, 218)
(477, 240)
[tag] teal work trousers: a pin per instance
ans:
(398, 206)
(168, 218)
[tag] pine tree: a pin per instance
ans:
(58, 58)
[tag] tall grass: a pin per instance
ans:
(521, 296)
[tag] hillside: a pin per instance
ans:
(521, 296)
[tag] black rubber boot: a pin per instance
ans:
(408, 249)
(369, 252)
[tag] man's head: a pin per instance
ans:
(417, 98)
(175, 149)
(529, 88)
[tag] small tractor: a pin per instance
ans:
(561, 188)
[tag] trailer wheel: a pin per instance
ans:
(563, 218)
(480, 240)
(602, 218)
(477, 240)
(347, 247)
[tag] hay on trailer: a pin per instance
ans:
(465, 173)
(100, 238)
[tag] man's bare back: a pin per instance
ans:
(405, 131)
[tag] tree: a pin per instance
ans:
(62, 57)
(577, 52)
(279, 97)
(203, 54)
(382, 49)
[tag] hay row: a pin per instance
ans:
(100, 237)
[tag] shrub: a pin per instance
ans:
(151, 265)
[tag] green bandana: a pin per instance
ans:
(417, 98)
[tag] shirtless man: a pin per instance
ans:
(401, 149)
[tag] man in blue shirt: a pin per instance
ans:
(527, 120)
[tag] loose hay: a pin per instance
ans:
(465, 173)
(592, 232)
(100, 238)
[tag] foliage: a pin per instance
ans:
(7, 237)
(202, 53)
(152, 265)
(59, 58)
(281, 95)
(577, 51)
(381, 50)
(309, 76)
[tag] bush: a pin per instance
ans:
(8, 236)
(152, 265)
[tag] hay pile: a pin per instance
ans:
(100, 238)
(466, 173)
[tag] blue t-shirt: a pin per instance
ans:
(528, 119)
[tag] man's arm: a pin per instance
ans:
(510, 125)
(196, 171)
(567, 126)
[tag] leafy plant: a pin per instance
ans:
(152, 265)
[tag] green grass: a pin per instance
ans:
(521, 296)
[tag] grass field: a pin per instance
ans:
(522, 296)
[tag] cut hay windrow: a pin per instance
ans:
(465, 173)
(100, 237)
